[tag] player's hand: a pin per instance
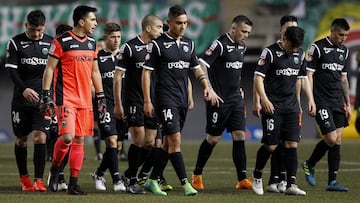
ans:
(312, 108)
(31, 95)
(211, 96)
(348, 112)
(101, 101)
(256, 109)
(267, 106)
(119, 111)
(47, 106)
(148, 109)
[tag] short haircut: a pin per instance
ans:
(62, 28)
(36, 18)
(295, 35)
(81, 12)
(242, 19)
(340, 23)
(176, 11)
(149, 20)
(288, 18)
(111, 27)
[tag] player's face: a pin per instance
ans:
(156, 29)
(178, 25)
(34, 32)
(288, 47)
(90, 23)
(241, 32)
(338, 36)
(285, 26)
(113, 40)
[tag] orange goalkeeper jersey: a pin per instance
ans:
(72, 76)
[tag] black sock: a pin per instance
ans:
(156, 171)
(134, 156)
(104, 164)
(73, 181)
(291, 163)
(177, 161)
(39, 160)
(147, 160)
(262, 157)
(21, 160)
(274, 171)
(64, 161)
(320, 149)
(163, 163)
(239, 158)
(113, 164)
(333, 162)
(97, 141)
(204, 153)
(281, 161)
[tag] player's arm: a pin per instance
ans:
(306, 87)
(298, 93)
(256, 102)
(146, 84)
(346, 95)
(209, 94)
(190, 96)
(267, 106)
(49, 72)
(47, 106)
(117, 89)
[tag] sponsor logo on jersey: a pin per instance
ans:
(179, 65)
(287, 72)
(140, 48)
(33, 61)
(81, 58)
(230, 48)
(328, 50)
(279, 53)
(109, 74)
(168, 44)
(74, 46)
(139, 64)
(332, 66)
(234, 65)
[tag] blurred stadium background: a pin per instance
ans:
(208, 19)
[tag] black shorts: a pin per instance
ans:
(231, 117)
(136, 117)
(330, 119)
(172, 119)
(280, 126)
(26, 119)
(117, 127)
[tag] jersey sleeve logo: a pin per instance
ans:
(212, 47)
(52, 49)
(149, 47)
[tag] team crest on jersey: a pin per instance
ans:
(186, 48)
(45, 51)
(90, 46)
(296, 60)
(341, 57)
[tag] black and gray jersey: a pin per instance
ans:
(107, 62)
(131, 59)
(171, 60)
(224, 60)
(329, 64)
(280, 72)
(29, 58)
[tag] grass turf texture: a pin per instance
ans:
(219, 178)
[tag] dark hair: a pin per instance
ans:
(340, 23)
(62, 28)
(165, 27)
(295, 35)
(176, 11)
(242, 19)
(36, 18)
(288, 18)
(111, 27)
(81, 12)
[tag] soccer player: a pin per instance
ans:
(277, 180)
(132, 57)
(73, 67)
(108, 125)
(224, 59)
(171, 56)
(25, 61)
(327, 71)
(53, 133)
(279, 67)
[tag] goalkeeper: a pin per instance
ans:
(76, 54)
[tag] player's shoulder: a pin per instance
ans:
(20, 37)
